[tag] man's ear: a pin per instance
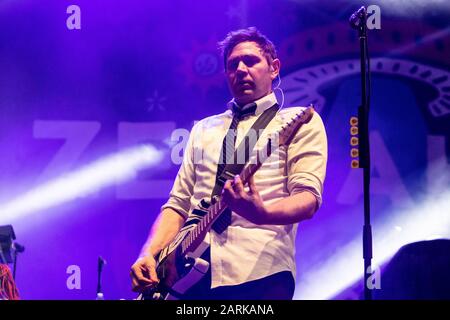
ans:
(275, 68)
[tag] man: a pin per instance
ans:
(254, 258)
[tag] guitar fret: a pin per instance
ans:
(203, 223)
(211, 217)
(213, 211)
(218, 208)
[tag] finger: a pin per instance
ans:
(135, 286)
(139, 288)
(228, 192)
(148, 270)
(252, 186)
(153, 275)
(238, 186)
(138, 281)
(139, 276)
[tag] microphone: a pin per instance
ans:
(101, 263)
(358, 17)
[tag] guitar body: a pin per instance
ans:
(176, 271)
(178, 274)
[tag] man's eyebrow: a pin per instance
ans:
(249, 55)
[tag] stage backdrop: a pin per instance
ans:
(96, 97)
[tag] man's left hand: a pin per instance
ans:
(247, 204)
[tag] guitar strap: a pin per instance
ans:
(231, 169)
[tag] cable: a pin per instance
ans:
(277, 87)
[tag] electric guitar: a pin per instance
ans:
(179, 265)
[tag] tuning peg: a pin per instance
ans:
(355, 164)
(354, 152)
(354, 141)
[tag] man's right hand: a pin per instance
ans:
(143, 273)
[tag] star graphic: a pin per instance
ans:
(156, 101)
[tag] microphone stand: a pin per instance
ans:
(14, 265)
(17, 248)
(100, 264)
(359, 21)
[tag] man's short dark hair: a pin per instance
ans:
(233, 38)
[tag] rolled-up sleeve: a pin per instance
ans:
(183, 187)
(307, 159)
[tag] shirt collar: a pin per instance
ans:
(262, 104)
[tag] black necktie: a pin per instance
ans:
(228, 153)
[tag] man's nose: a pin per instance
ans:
(241, 68)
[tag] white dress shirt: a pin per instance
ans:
(245, 251)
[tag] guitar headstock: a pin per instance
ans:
(289, 130)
